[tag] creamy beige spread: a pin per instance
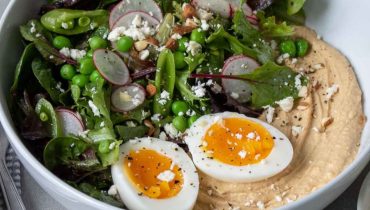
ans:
(324, 128)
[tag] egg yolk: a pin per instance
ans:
(153, 174)
(237, 141)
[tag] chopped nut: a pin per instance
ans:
(149, 124)
(151, 90)
(325, 122)
(171, 44)
(191, 23)
(182, 30)
(188, 11)
(141, 45)
(152, 41)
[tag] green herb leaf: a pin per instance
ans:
(126, 133)
(269, 27)
(92, 191)
(52, 123)
(34, 30)
(49, 53)
(295, 6)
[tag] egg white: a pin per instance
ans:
(184, 200)
(279, 158)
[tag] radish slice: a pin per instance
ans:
(111, 67)
(225, 8)
(127, 98)
(236, 65)
(126, 19)
(126, 6)
(71, 122)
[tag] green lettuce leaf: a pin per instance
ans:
(270, 28)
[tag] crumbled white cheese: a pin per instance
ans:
(303, 91)
(94, 109)
(331, 91)
(138, 30)
(181, 114)
(102, 124)
(171, 130)
(234, 95)
(296, 130)
(318, 66)
(166, 176)
(286, 104)
(204, 25)
(269, 113)
(73, 53)
(143, 55)
(156, 117)
(242, 153)
(163, 136)
(193, 47)
(278, 198)
(294, 60)
(113, 190)
(164, 97)
(251, 135)
(112, 145)
(190, 112)
(204, 14)
(199, 90)
(131, 124)
(65, 25)
(176, 36)
(260, 205)
(273, 44)
(33, 28)
(239, 136)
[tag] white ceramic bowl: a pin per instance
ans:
(342, 23)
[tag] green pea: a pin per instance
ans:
(90, 53)
(302, 47)
(192, 119)
(60, 42)
(198, 35)
(288, 46)
(96, 42)
(104, 146)
(43, 117)
(125, 43)
(84, 21)
(179, 60)
(180, 123)
(87, 65)
(94, 76)
(80, 80)
(182, 45)
(67, 71)
(179, 106)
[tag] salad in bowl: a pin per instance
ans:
(199, 104)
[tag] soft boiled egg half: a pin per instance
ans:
(153, 174)
(235, 148)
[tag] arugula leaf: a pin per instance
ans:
(252, 37)
(33, 30)
(271, 83)
(126, 133)
(269, 27)
(44, 75)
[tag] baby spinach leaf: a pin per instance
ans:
(270, 28)
(23, 71)
(51, 54)
(44, 75)
(126, 133)
(52, 123)
(110, 157)
(92, 191)
(33, 30)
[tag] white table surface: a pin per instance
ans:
(36, 198)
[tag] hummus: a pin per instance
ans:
(324, 128)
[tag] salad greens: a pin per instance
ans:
(63, 94)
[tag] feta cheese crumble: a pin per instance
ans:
(199, 90)
(286, 104)
(331, 91)
(242, 154)
(164, 97)
(166, 176)
(193, 47)
(94, 109)
(73, 53)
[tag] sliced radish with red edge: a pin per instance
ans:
(126, 6)
(128, 97)
(71, 122)
(236, 65)
(126, 19)
(111, 67)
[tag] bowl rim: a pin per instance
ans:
(360, 161)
